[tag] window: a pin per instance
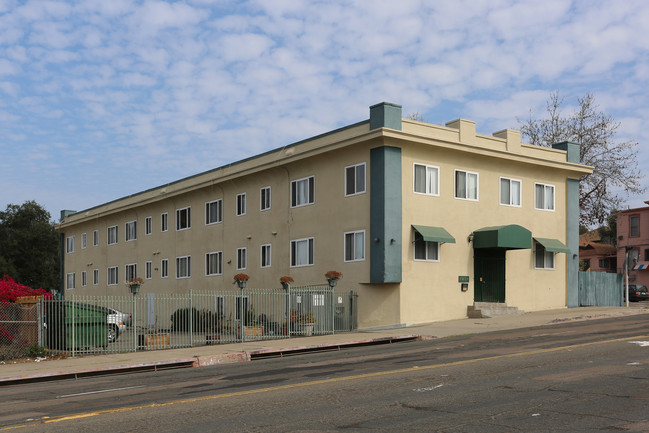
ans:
(214, 212)
(264, 198)
(70, 281)
(646, 255)
(112, 235)
(95, 276)
(241, 204)
(466, 185)
(355, 179)
(183, 218)
(426, 179)
(603, 263)
(318, 300)
(425, 250)
(634, 226)
(148, 270)
(246, 307)
(634, 254)
(302, 252)
(543, 196)
(355, 246)
(510, 192)
(164, 222)
(214, 263)
(69, 244)
(148, 225)
(242, 258)
(265, 256)
(84, 241)
(112, 276)
(543, 259)
(95, 238)
(219, 306)
(84, 279)
(302, 191)
(131, 231)
(164, 268)
(131, 272)
(183, 267)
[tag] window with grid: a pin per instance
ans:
(265, 258)
(164, 222)
(84, 240)
(183, 267)
(466, 185)
(426, 250)
(183, 218)
(113, 276)
(510, 192)
(131, 272)
(112, 235)
(69, 244)
(131, 231)
(264, 198)
(241, 203)
(148, 270)
(214, 263)
(148, 225)
(214, 212)
(543, 196)
(95, 276)
(302, 252)
(70, 280)
(355, 246)
(95, 238)
(543, 259)
(84, 279)
(242, 258)
(164, 268)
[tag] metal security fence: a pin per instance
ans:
(159, 321)
(19, 329)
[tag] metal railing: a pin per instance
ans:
(101, 324)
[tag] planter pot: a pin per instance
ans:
(253, 331)
(154, 340)
(306, 329)
(286, 286)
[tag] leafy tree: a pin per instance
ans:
(614, 161)
(29, 246)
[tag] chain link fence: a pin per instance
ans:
(19, 328)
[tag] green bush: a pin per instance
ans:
(35, 351)
(200, 320)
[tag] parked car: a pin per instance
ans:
(638, 292)
(117, 323)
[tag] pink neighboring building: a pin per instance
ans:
(633, 232)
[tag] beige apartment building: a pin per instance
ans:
(422, 220)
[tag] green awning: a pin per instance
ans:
(553, 245)
(434, 234)
(510, 237)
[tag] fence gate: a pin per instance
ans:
(600, 289)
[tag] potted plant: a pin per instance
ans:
(286, 281)
(333, 277)
(307, 322)
(241, 279)
(134, 285)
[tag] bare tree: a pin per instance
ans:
(614, 161)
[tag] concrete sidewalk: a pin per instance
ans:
(15, 373)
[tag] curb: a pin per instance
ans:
(200, 361)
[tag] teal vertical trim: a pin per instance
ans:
(385, 115)
(385, 215)
(572, 238)
(62, 263)
(572, 150)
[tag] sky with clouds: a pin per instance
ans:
(101, 99)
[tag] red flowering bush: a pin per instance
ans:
(10, 290)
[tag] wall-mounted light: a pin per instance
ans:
(274, 233)
(469, 238)
(229, 261)
(248, 237)
(377, 240)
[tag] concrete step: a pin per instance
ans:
(491, 309)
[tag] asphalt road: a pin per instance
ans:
(585, 376)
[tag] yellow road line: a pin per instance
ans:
(332, 380)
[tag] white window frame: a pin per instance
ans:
(318, 300)
(265, 256)
(264, 198)
(69, 244)
(237, 304)
(355, 257)
(95, 277)
(548, 256)
(187, 218)
(309, 199)
(164, 268)
(114, 237)
(187, 267)
(84, 241)
(219, 263)
(241, 204)
(130, 271)
(295, 244)
(148, 270)
(95, 238)
(130, 231)
(214, 212)
(427, 247)
(354, 171)
(546, 204)
(70, 281)
(84, 279)
(428, 176)
(164, 221)
(148, 225)
(112, 280)
(242, 258)
(467, 175)
(511, 192)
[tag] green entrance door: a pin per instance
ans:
(489, 275)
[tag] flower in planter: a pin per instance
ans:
(307, 318)
(137, 281)
(333, 275)
(286, 279)
(241, 277)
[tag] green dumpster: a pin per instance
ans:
(85, 325)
